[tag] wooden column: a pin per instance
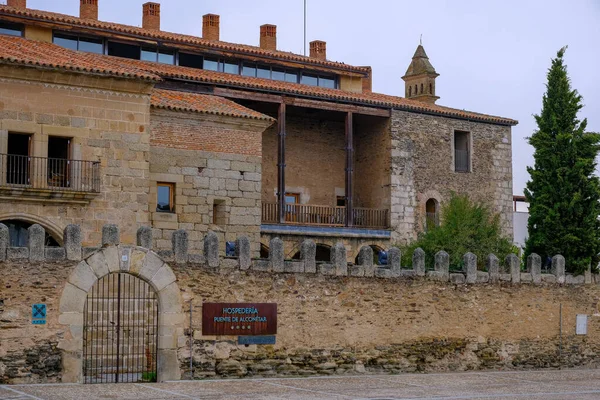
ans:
(349, 169)
(281, 163)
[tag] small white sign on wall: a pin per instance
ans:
(581, 328)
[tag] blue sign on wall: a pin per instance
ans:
(38, 314)
(256, 339)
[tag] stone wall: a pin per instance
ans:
(328, 324)
(211, 160)
(106, 120)
(423, 168)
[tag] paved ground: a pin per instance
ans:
(546, 385)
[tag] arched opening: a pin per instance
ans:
(323, 253)
(120, 332)
(376, 253)
(432, 216)
(153, 297)
(409, 91)
(416, 90)
(19, 235)
(264, 251)
(430, 88)
(421, 88)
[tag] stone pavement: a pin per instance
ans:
(546, 385)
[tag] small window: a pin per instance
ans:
(148, 54)
(211, 64)
(249, 70)
(430, 88)
(190, 60)
(165, 197)
(219, 216)
(124, 50)
(231, 67)
(66, 41)
(292, 77)
(278, 74)
(307, 79)
(421, 88)
(341, 201)
(462, 158)
(292, 198)
(409, 91)
(91, 45)
(327, 82)
(263, 72)
(431, 212)
(166, 57)
(6, 28)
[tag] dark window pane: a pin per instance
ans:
(7, 28)
(68, 42)
(263, 72)
(278, 74)
(148, 54)
(211, 64)
(190, 60)
(327, 82)
(231, 68)
(123, 50)
(249, 70)
(166, 57)
(291, 77)
(309, 80)
(91, 45)
(163, 198)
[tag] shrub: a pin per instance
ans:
(465, 227)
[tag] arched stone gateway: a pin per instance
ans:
(125, 260)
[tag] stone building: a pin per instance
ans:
(106, 123)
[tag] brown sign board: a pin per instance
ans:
(239, 319)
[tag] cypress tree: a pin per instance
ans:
(563, 193)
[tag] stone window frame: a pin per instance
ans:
(453, 153)
(171, 186)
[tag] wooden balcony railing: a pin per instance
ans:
(57, 175)
(308, 214)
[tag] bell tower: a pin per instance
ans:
(419, 80)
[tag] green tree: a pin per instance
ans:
(466, 227)
(563, 194)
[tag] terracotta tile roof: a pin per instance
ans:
(202, 103)
(16, 50)
(26, 52)
(248, 50)
(368, 99)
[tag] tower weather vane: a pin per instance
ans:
(421, 40)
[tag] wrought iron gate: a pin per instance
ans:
(120, 336)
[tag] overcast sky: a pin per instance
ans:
(492, 56)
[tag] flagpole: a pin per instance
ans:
(305, 28)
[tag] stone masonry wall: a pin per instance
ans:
(422, 168)
(210, 160)
(331, 319)
(106, 120)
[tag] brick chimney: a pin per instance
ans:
(22, 4)
(268, 37)
(151, 16)
(88, 9)
(318, 49)
(367, 81)
(210, 26)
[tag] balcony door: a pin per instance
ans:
(291, 214)
(59, 156)
(18, 162)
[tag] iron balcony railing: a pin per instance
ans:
(461, 160)
(308, 214)
(54, 174)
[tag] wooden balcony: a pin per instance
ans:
(314, 215)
